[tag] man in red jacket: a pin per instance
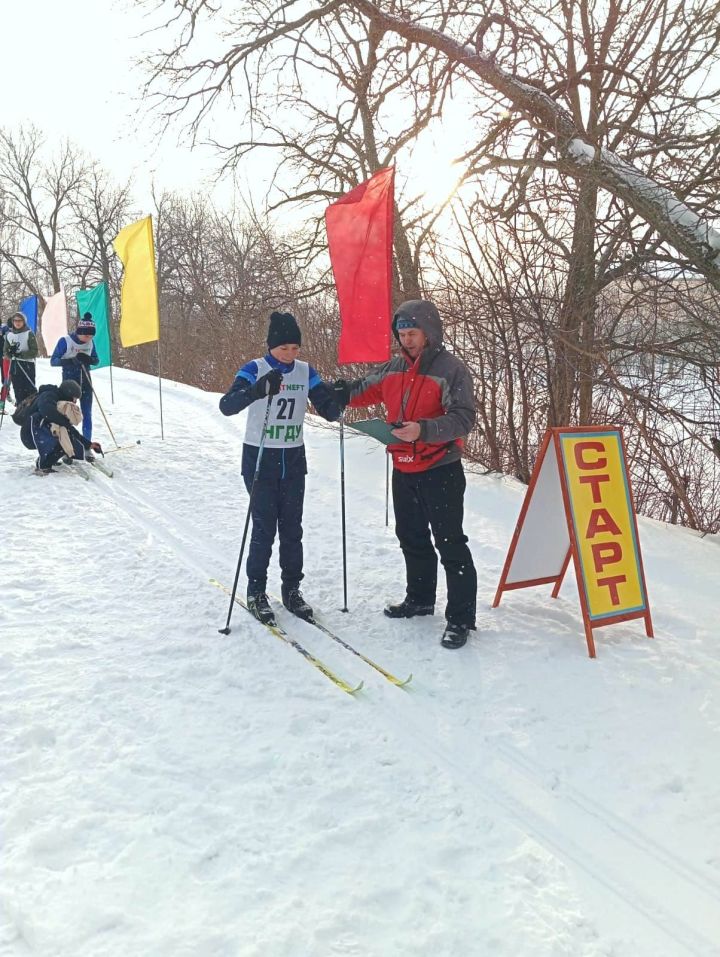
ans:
(429, 393)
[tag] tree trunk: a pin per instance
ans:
(407, 274)
(577, 316)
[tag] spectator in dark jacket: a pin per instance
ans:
(19, 353)
(429, 393)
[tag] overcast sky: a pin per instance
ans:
(68, 67)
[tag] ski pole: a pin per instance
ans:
(89, 382)
(4, 393)
(342, 509)
(387, 487)
(21, 367)
(122, 448)
(226, 629)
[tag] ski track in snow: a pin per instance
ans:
(166, 790)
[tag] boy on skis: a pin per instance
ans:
(285, 383)
(75, 353)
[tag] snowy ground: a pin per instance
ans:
(165, 790)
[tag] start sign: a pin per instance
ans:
(579, 504)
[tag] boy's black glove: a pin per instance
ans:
(83, 358)
(268, 384)
(13, 349)
(96, 447)
(341, 391)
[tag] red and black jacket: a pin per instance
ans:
(436, 391)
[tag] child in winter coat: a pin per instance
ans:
(75, 353)
(44, 422)
(283, 384)
(19, 353)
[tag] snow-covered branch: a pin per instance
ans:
(673, 219)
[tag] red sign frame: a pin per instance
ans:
(552, 441)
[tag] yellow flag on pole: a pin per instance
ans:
(139, 314)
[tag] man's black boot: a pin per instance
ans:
(455, 636)
(408, 609)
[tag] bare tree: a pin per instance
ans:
(258, 26)
(101, 209)
(336, 100)
(37, 194)
(219, 276)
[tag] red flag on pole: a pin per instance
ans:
(360, 235)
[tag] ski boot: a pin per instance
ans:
(294, 602)
(41, 471)
(259, 607)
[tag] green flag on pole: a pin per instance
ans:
(96, 301)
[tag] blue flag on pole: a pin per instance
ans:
(29, 308)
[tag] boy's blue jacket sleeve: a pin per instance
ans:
(323, 398)
(58, 352)
(239, 396)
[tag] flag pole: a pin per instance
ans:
(109, 335)
(342, 509)
(159, 361)
(162, 428)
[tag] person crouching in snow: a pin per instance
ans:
(75, 353)
(49, 426)
(286, 383)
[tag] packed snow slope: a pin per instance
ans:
(167, 791)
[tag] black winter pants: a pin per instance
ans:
(433, 501)
(23, 379)
(277, 505)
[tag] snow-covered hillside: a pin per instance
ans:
(168, 791)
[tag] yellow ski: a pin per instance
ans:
(393, 679)
(284, 636)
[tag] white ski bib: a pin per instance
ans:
(18, 338)
(287, 409)
(74, 348)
